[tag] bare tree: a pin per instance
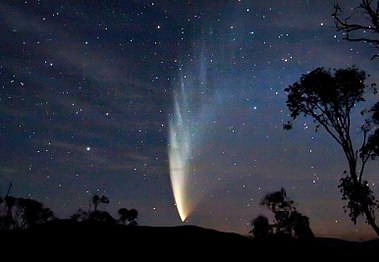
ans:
(361, 24)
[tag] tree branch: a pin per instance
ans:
(364, 155)
(364, 161)
(366, 5)
(324, 124)
(344, 24)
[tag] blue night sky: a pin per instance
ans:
(87, 90)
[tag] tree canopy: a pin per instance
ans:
(127, 217)
(22, 213)
(288, 221)
(329, 98)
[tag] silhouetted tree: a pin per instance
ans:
(80, 215)
(123, 213)
(361, 25)
(329, 99)
(128, 217)
(33, 212)
(300, 226)
(261, 228)
(133, 214)
(281, 206)
(22, 213)
(6, 220)
(288, 221)
(96, 200)
(9, 207)
(93, 216)
(101, 217)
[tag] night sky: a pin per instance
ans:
(87, 92)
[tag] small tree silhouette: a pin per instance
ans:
(22, 213)
(300, 225)
(101, 217)
(261, 228)
(33, 212)
(96, 200)
(288, 221)
(128, 217)
(80, 215)
(95, 215)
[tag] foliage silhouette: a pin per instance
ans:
(22, 213)
(261, 228)
(96, 200)
(80, 215)
(101, 217)
(95, 215)
(289, 223)
(128, 217)
(355, 28)
(329, 98)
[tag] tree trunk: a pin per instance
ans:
(371, 220)
(369, 217)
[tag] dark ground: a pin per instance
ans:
(65, 239)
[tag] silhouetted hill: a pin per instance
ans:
(136, 235)
(93, 239)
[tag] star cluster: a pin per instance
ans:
(86, 92)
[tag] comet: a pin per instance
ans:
(195, 104)
(179, 151)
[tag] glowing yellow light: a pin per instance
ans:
(181, 142)
(187, 127)
(179, 153)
